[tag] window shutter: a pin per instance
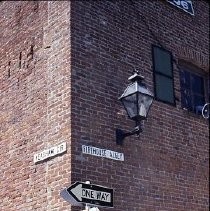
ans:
(162, 62)
(163, 75)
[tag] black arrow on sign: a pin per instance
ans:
(91, 194)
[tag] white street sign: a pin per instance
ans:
(51, 152)
(102, 153)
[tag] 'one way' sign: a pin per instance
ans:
(84, 193)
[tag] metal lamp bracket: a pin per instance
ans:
(120, 134)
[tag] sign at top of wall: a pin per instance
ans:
(185, 5)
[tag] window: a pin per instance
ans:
(163, 75)
(192, 90)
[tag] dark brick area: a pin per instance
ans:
(63, 65)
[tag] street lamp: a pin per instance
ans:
(137, 100)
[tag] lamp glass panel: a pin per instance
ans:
(144, 103)
(130, 104)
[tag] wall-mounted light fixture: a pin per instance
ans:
(137, 100)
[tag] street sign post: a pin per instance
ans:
(83, 193)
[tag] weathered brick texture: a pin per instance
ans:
(35, 102)
(63, 65)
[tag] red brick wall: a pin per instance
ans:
(167, 167)
(63, 66)
(35, 102)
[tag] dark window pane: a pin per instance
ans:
(185, 79)
(197, 84)
(186, 99)
(162, 61)
(198, 100)
(164, 88)
(209, 91)
(192, 91)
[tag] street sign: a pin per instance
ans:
(105, 153)
(89, 194)
(50, 152)
(185, 5)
